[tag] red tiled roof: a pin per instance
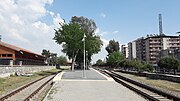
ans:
(17, 48)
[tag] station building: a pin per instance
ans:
(13, 55)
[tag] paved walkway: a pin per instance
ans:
(71, 86)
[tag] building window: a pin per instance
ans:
(3, 55)
(9, 55)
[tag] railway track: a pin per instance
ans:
(28, 91)
(146, 91)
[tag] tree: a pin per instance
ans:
(115, 58)
(148, 67)
(86, 24)
(169, 63)
(113, 46)
(53, 58)
(47, 54)
(99, 62)
(70, 36)
(62, 60)
(93, 42)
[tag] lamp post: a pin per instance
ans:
(84, 56)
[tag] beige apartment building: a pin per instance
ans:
(152, 48)
(131, 50)
(155, 46)
(124, 50)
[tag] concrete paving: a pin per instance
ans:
(88, 75)
(71, 86)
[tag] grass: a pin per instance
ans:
(13, 82)
(50, 93)
(163, 84)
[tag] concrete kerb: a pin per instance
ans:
(58, 77)
(108, 78)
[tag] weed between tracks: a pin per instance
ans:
(13, 82)
(162, 84)
(46, 91)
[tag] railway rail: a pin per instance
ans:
(146, 91)
(28, 91)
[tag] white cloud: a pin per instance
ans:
(57, 19)
(105, 42)
(97, 31)
(21, 24)
(103, 53)
(17, 36)
(103, 15)
(103, 33)
(114, 32)
(51, 13)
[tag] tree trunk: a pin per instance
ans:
(74, 59)
(73, 62)
(163, 70)
(174, 71)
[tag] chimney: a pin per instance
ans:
(160, 25)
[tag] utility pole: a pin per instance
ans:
(84, 56)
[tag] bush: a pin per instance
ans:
(115, 59)
(168, 63)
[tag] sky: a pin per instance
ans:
(30, 24)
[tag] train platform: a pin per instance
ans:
(93, 86)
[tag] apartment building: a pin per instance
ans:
(152, 48)
(156, 46)
(140, 49)
(132, 50)
(124, 50)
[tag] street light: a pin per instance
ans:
(84, 56)
(86, 60)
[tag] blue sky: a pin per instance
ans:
(30, 23)
(131, 18)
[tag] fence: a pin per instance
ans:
(6, 71)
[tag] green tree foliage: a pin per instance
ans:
(115, 58)
(46, 53)
(93, 42)
(113, 46)
(62, 60)
(168, 63)
(148, 67)
(99, 62)
(136, 65)
(86, 24)
(70, 36)
(51, 58)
